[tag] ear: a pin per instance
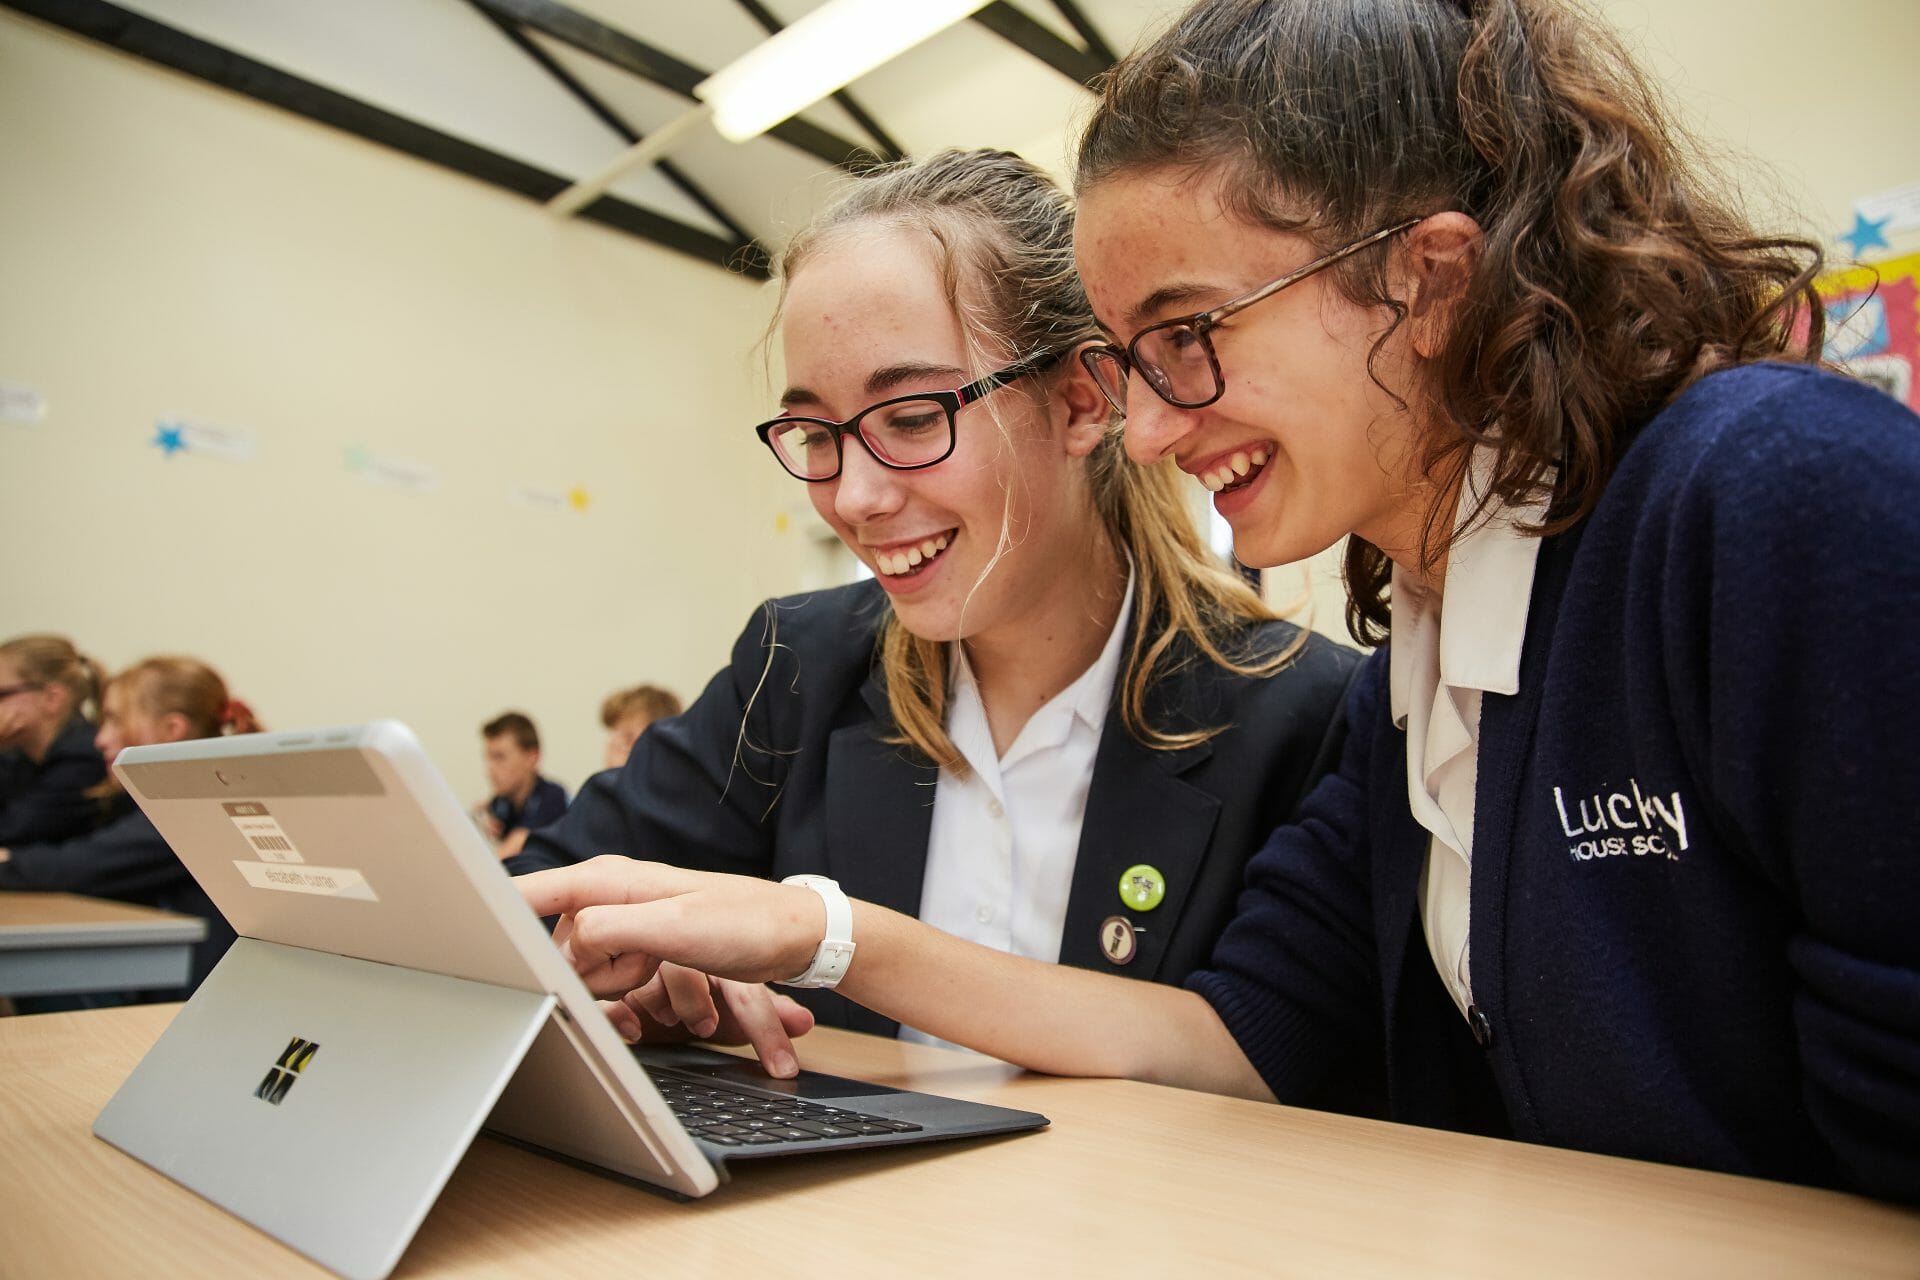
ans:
(1441, 254)
(1078, 398)
(174, 727)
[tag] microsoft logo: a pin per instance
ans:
(282, 1074)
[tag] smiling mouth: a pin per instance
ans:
(912, 559)
(1236, 472)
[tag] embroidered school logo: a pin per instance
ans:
(1630, 823)
(282, 1074)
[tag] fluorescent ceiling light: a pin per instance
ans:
(820, 54)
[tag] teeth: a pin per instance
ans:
(1237, 467)
(894, 563)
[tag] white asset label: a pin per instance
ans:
(262, 831)
(334, 882)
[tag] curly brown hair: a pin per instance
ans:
(1613, 272)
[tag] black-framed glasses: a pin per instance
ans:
(905, 433)
(1176, 358)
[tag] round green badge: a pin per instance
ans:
(1142, 887)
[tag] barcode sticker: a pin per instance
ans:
(262, 831)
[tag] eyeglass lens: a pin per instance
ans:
(1174, 360)
(905, 433)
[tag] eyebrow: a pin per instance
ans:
(1163, 299)
(885, 379)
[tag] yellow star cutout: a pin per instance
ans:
(577, 499)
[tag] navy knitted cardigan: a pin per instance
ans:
(1695, 914)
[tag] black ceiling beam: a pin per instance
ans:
(1017, 28)
(144, 38)
(888, 147)
(589, 35)
(1090, 34)
(614, 121)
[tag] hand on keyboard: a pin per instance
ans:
(684, 1004)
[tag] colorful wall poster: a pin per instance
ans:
(1873, 324)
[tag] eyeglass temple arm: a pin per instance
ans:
(1226, 309)
(1018, 369)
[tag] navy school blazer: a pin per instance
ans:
(781, 766)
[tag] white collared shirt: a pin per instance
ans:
(1004, 839)
(1445, 655)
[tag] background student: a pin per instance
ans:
(626, 715)
(1053, 723)
(522, 799)
(1620, 855)
(166, 699)
(48, 763)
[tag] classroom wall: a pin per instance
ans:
(169, 249)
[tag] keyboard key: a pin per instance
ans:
(820, 1130)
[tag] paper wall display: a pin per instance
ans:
(1896, 211)
(1873, 324)
(575, 499)
(21, 406)
(391, 473)
(203, 439)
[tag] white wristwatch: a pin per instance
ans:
(836, 949)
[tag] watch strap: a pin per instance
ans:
(835, 952)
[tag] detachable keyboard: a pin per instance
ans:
(729, 1117)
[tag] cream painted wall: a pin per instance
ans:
(170, 249)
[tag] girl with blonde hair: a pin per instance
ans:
(1053, 722)
(163, 699)
(49, 693)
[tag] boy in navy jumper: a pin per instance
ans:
(522, 800)
(1622, 851)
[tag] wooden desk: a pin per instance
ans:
(59, 943)
(1131, 1180)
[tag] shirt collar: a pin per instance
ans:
(1484, 603)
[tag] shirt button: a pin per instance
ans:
(1481, 1028)
(984, 915)
(994, 809)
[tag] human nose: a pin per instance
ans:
(865, 490)
(1154, 427)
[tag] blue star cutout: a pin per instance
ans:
(1868, 233)
(169, 439)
